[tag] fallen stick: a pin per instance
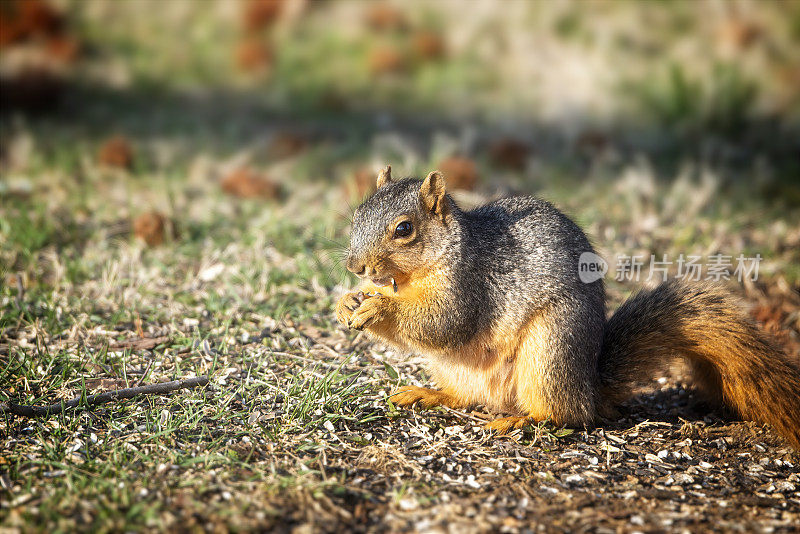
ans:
(101, 398)
(141, 343)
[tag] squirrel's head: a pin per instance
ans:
(405, 226)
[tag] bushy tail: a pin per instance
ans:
(732, 359)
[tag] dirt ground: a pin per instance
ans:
(354, 463)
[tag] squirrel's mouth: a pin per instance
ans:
(386, 281)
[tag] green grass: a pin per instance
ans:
(296, 408)
(718, 105)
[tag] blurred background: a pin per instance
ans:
(163, 157)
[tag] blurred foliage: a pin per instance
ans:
(721, 104)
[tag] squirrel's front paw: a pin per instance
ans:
(347, 305)
(370, 311)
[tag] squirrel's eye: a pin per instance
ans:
(403, 229)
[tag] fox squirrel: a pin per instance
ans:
(493, 297)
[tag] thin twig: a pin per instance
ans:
(109, 396)
(142, 343)
(144, 373)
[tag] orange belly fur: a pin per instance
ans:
(501, 372)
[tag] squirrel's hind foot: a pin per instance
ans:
(427, 398)
(504, 425)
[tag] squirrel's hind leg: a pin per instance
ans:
(504, 425)
(427, 398)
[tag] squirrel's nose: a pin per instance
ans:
(356, 267)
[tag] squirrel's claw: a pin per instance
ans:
(370, 311)
(358, 310)
(347, 305)
(506, 424)
(426, 397)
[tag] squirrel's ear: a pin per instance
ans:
(385, 176)
(432, 193)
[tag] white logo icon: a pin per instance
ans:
(591, 267)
